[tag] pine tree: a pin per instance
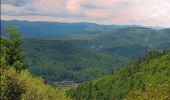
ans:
(11, 48)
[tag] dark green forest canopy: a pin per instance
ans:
(86, 53)
(149, 72)
(57, 60)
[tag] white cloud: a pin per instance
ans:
(143, 12)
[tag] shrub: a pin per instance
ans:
(160, 92)
(11, 88)
(22, 86)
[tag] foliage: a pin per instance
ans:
(152, 69)
(11, 50)
(11, 88)
(160, 92)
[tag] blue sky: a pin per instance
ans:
(140, 12)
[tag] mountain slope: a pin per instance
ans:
(151, 70)
(129, 42)
(57, 60)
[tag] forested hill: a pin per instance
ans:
(57, 60)
(147, 79)
(130, 42)
(124, 40)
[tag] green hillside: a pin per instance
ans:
(57, 60)
(129, 42)
(147, 79)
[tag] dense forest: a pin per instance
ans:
(16, 81)
(57, 60)
(146, 79)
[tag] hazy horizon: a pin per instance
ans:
(135, 25)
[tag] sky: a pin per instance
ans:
(133, 12)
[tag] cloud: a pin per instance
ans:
(15, 2)
(142, 12)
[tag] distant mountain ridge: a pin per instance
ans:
(42, 29)
(49, 29)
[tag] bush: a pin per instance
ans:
(22, 86)
(160, 92)
(11, 88)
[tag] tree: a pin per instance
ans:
(160, 92)
(11, 48)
